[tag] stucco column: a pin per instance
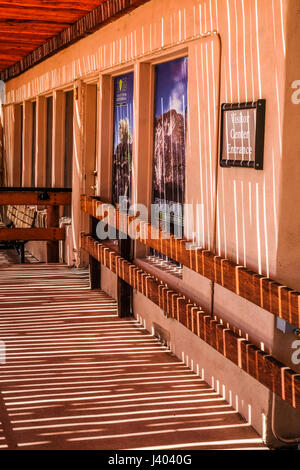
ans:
(142, 134)
(90, 167)
(90, 140)
(287, 420)
(105, 143)
(142, 141)
(77, 181)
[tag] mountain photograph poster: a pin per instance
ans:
(123, 138)
(171, 85)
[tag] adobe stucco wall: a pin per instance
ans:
(251, 217)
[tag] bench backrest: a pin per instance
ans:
(21, 216)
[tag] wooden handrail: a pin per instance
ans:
(35, 196)
(264, 292)
(267, 370)
(32, 234)
(34, 188)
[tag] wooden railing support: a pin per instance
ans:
(52, 246)
(94, 265)
(125, 291)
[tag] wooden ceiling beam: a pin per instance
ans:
(5, 62)
(18, 41)
(13, 50)
(81, 5)
(35, 13)
(31, 27)
(21, 37)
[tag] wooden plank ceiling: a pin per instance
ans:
(26, 24)
(33, 30)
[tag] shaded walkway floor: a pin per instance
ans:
(78, 377)
(8, 256)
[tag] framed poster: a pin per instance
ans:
(123, 138)
(242, 135)
(171, 86)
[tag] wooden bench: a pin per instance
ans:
(19, 217)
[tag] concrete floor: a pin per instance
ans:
(78, 377)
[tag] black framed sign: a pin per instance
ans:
(243, 135)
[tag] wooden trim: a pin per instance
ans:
(267, 370)
(32, 198)
(32, 234)
(107, 12)
(266, 293)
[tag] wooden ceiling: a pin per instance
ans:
(33, 30)
(25, 25)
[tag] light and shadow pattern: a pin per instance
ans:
(78, 377)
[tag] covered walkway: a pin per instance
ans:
(78, 377)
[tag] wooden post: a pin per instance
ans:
(52, 221)
(125, 291)
(22, 253)
(94, 265)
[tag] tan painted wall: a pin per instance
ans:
(251, 217)
(254, 45)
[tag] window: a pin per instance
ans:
(169, 142)
(171, 80)
(123, 131)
